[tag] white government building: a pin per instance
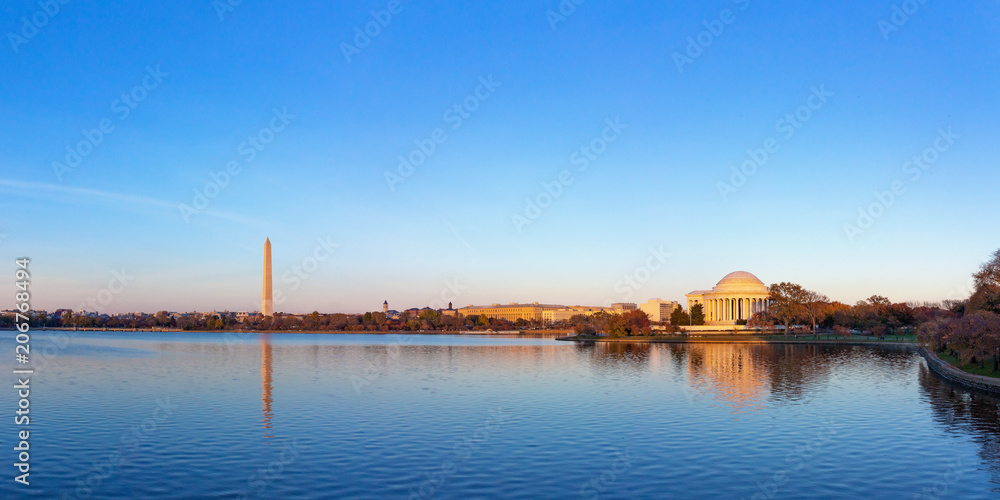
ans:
(737, 296)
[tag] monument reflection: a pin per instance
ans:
(266, 384)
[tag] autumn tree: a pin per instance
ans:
(787, 302)
(311, 321)
(987, 281)
(631, 323)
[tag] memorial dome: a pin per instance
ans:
(740, 278)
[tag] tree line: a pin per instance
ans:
(971, 332)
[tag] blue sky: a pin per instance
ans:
(198, 85)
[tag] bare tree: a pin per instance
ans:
(815, 304)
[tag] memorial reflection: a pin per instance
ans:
(744, 376)
(731, 372)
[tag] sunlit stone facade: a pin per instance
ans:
(737, 296)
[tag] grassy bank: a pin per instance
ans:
(972, 368)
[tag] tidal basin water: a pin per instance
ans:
(208, 415)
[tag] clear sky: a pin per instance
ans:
(493, 101)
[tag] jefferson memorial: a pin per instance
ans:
(737, 296)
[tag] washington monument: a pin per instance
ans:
(267, 305)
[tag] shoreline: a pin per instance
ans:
(737, 340)
(311, 332)
(952, 373)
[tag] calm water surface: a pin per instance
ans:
(203, 415)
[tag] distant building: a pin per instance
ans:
(385, 306)
(449, 311)
(658, 309)
(624, 307)
(550, 316)
(510, 312)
